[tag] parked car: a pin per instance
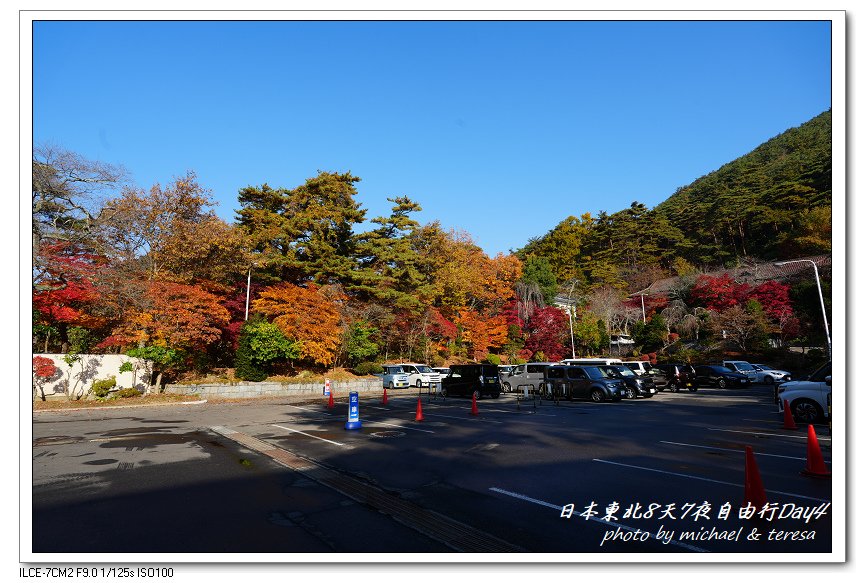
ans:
(443, 371)
(742, 367)
(635, 385)
(640, 367)
(472, 379)
(529, 375)
(771, 375)
(582, 382)
(394, 377)
(678, 376)
(714, 375)
(420, 375)
(504, 370)
(658, 377)
(809, 398)
(592, 361)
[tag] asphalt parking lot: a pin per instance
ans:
(660, 475)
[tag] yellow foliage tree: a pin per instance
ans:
(308, 314)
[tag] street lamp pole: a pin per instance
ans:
(820, 295)
(248, 281)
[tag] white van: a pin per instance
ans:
(420, 375)
(529, 375)
(592, 361)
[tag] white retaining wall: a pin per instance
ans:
(269, 389)
(80, 376)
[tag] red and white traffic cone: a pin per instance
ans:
(474, 410)
(788, 417)
(815, 465)
(754, 491)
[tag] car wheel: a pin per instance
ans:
(597, 395)
(444, 392)
(507, 387)
(806, 411)
(649, 396)
(417, 384)
(496, 395)
(722, 384)
(768, 380)
(390, 385)
(674, 387)
(787, 378)
(476, 394)
(693, 389)
(630, 393)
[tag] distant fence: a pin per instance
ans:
(309, 390)
(77, 379)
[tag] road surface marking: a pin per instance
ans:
(789, 457)
(773, 434)
(312, 436)
(705, 479)
(368, 422)
(592, 518)
(466, 417)
(309, 409)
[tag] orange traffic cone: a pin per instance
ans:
(384, 398)
(474, 410)
(814, 466)
(330, 401)
(419, 415)
(754, 492)
(788, 416)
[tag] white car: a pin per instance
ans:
(769, 375)
(810, 398)
(420, 375)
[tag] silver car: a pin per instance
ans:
(394, 378)
(770, 375)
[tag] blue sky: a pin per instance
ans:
(501, 129)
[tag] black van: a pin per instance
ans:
(582, 382)
(467, 379)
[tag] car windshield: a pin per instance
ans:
(424, 368)
(624, 371)
(744, 366)
(595, 373)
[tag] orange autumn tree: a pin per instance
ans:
(177, 316)
(482, 332)
(308, 314)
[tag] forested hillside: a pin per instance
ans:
(772, 203)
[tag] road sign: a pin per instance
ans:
(353, 412)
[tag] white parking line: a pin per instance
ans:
(312, 436)
(592, 518)
(789, 457)
(704, 479)
(310, 409)
(466, 417)
(773, 434)
(400, 426)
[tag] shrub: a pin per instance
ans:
(127, 393)
(367, 368)
(101, 389)
(493, 359)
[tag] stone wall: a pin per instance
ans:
(369, 386)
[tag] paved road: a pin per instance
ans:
(277, 477)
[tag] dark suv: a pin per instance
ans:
(679, 376)
(720, 376)
(472, 379)
(635, 385)
(581, 382)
